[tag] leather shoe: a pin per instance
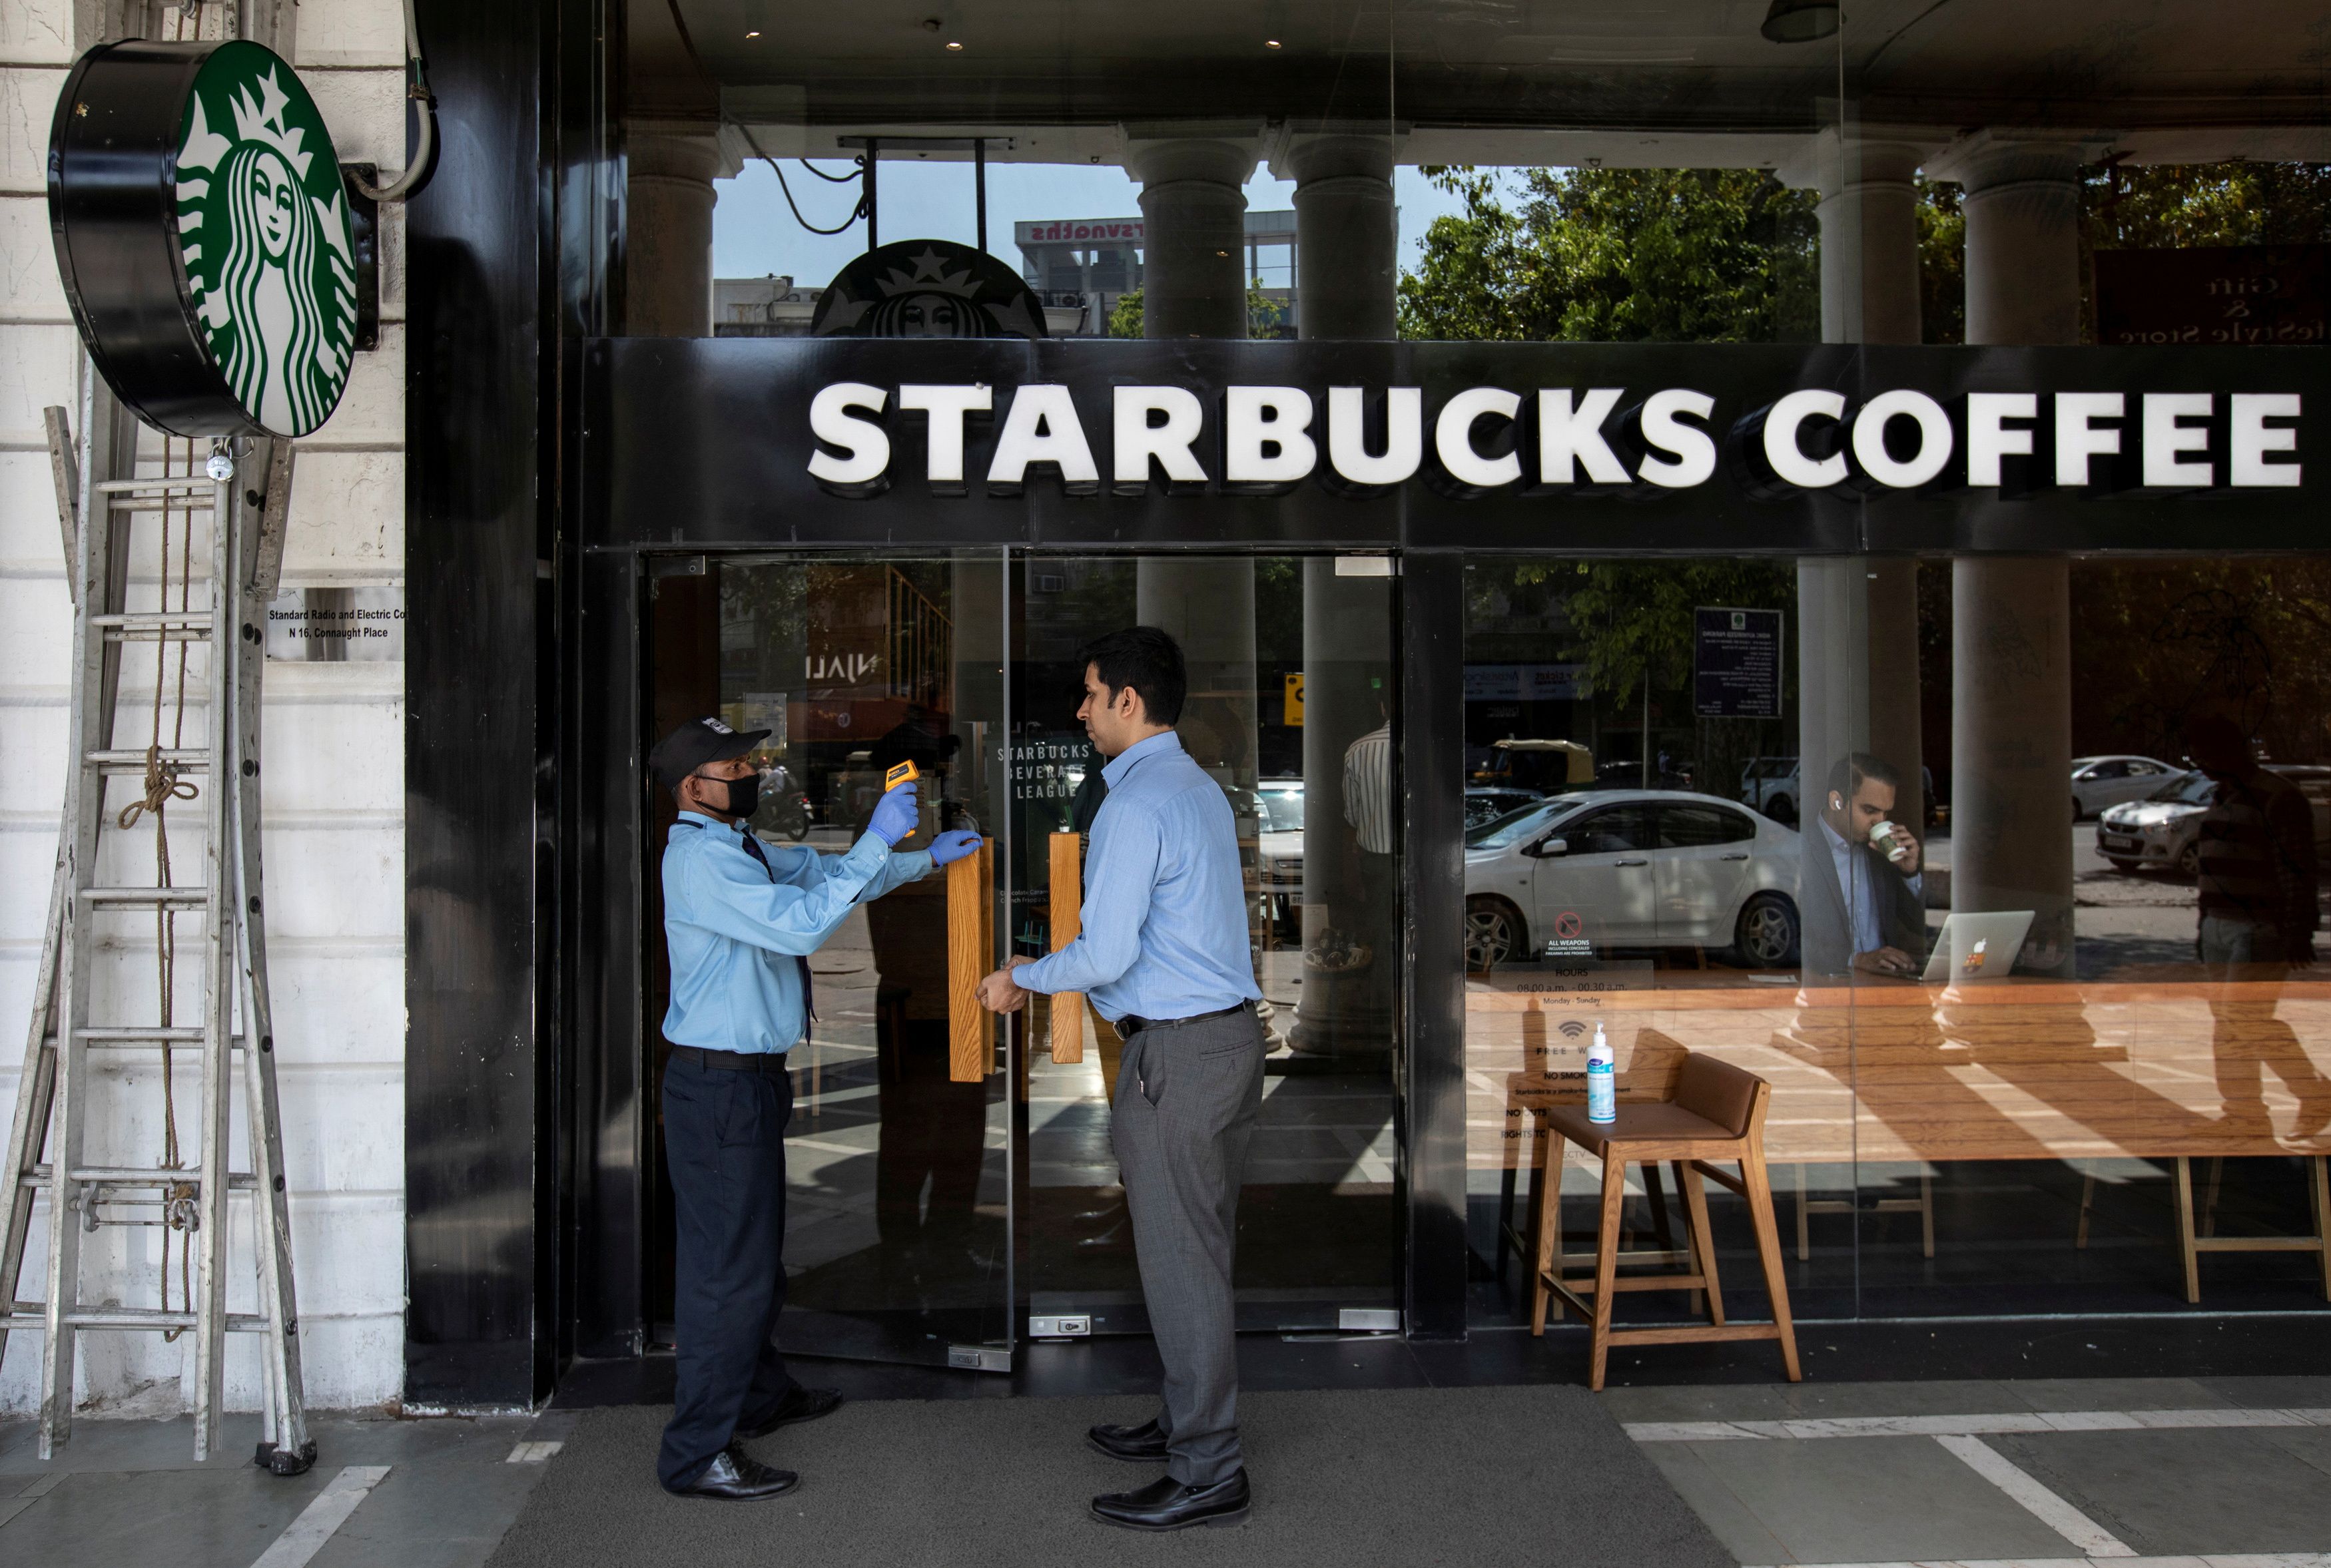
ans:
(804, 1404)
(1166, 1503)
(736, 1477)
(1144, 1444)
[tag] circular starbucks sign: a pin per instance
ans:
(202, 231)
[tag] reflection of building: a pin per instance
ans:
(864, 644)
(1088, 264)
(769, 307)
(777, 307)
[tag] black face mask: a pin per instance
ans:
(744, 793)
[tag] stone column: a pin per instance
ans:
(1346, 258)
(2011, 675)
(668, 236)
(1346, 235)
(1868, 216)
(1194, 211)
(1858, 616)
(1193, 208)
(1207, 602)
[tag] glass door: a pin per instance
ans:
(1291, 700)
(898, 1200)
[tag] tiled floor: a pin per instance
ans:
(2232, 1472)
(127, 1494)
(2147, 1473)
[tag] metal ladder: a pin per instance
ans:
(46, 1145)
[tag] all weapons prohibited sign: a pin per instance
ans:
(203, 234)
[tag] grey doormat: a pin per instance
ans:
(1376, 1478)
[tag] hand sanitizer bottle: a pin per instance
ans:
(1602, 1080)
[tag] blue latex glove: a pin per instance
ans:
(953, 846)
(894, 815)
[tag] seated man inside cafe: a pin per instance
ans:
(1864, 903)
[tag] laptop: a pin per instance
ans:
(1978, 947)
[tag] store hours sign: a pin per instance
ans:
(203, 234)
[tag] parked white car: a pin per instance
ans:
(2099, 782)
(1631, 868)
(2164, 831)
(1772, 785)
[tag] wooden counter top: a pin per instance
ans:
(2148, 1064)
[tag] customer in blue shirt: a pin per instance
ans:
(741, 918)
(1163, 955)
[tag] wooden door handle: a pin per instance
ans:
(971, 955)
(1067, 860)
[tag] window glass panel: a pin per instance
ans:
(1618, 830)
(1695, 827)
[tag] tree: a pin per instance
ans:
(1124, 316)
(1664, 255)
(1264, 315)
(1619, 255)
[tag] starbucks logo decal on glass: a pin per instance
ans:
(264, 237)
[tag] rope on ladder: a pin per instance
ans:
(181, 1211)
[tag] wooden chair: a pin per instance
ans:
(1717, 1114)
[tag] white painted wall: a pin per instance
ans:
(334, 801)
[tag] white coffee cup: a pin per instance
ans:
(1886, 838)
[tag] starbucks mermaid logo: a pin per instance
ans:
(263, 231)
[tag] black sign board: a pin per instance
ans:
(1736, 664)
(2215, 296)
(928, 289)
(1736, 448)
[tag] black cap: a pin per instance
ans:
(696, 743)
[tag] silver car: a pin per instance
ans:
(1631, 868)
(2099, 782)
(2164, 832)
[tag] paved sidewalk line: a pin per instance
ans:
(534, 1453)
(2211, 1560)
(2093, 1421)
(2037, 1500)
(306, 1535)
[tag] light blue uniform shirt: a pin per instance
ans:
(736, 934)
(1164, 909)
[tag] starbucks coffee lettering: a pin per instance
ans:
(1480, 441)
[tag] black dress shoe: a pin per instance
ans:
(1144, 1444)
(804, 1404)
(1166, 1503)
(736, 1477)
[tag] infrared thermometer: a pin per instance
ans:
(904, 772)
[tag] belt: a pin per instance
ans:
(1133, 1024)
(732, 1060)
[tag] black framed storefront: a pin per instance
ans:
(553, 464)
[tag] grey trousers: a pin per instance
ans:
(1187, 1097)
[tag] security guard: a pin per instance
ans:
(741, 918)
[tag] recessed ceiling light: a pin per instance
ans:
(954, 46)
(1271, 43)
(755, 34)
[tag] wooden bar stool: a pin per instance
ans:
(1717, 1114)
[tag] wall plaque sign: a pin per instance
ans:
(203, 234)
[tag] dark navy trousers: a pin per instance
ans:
(724, 1135)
